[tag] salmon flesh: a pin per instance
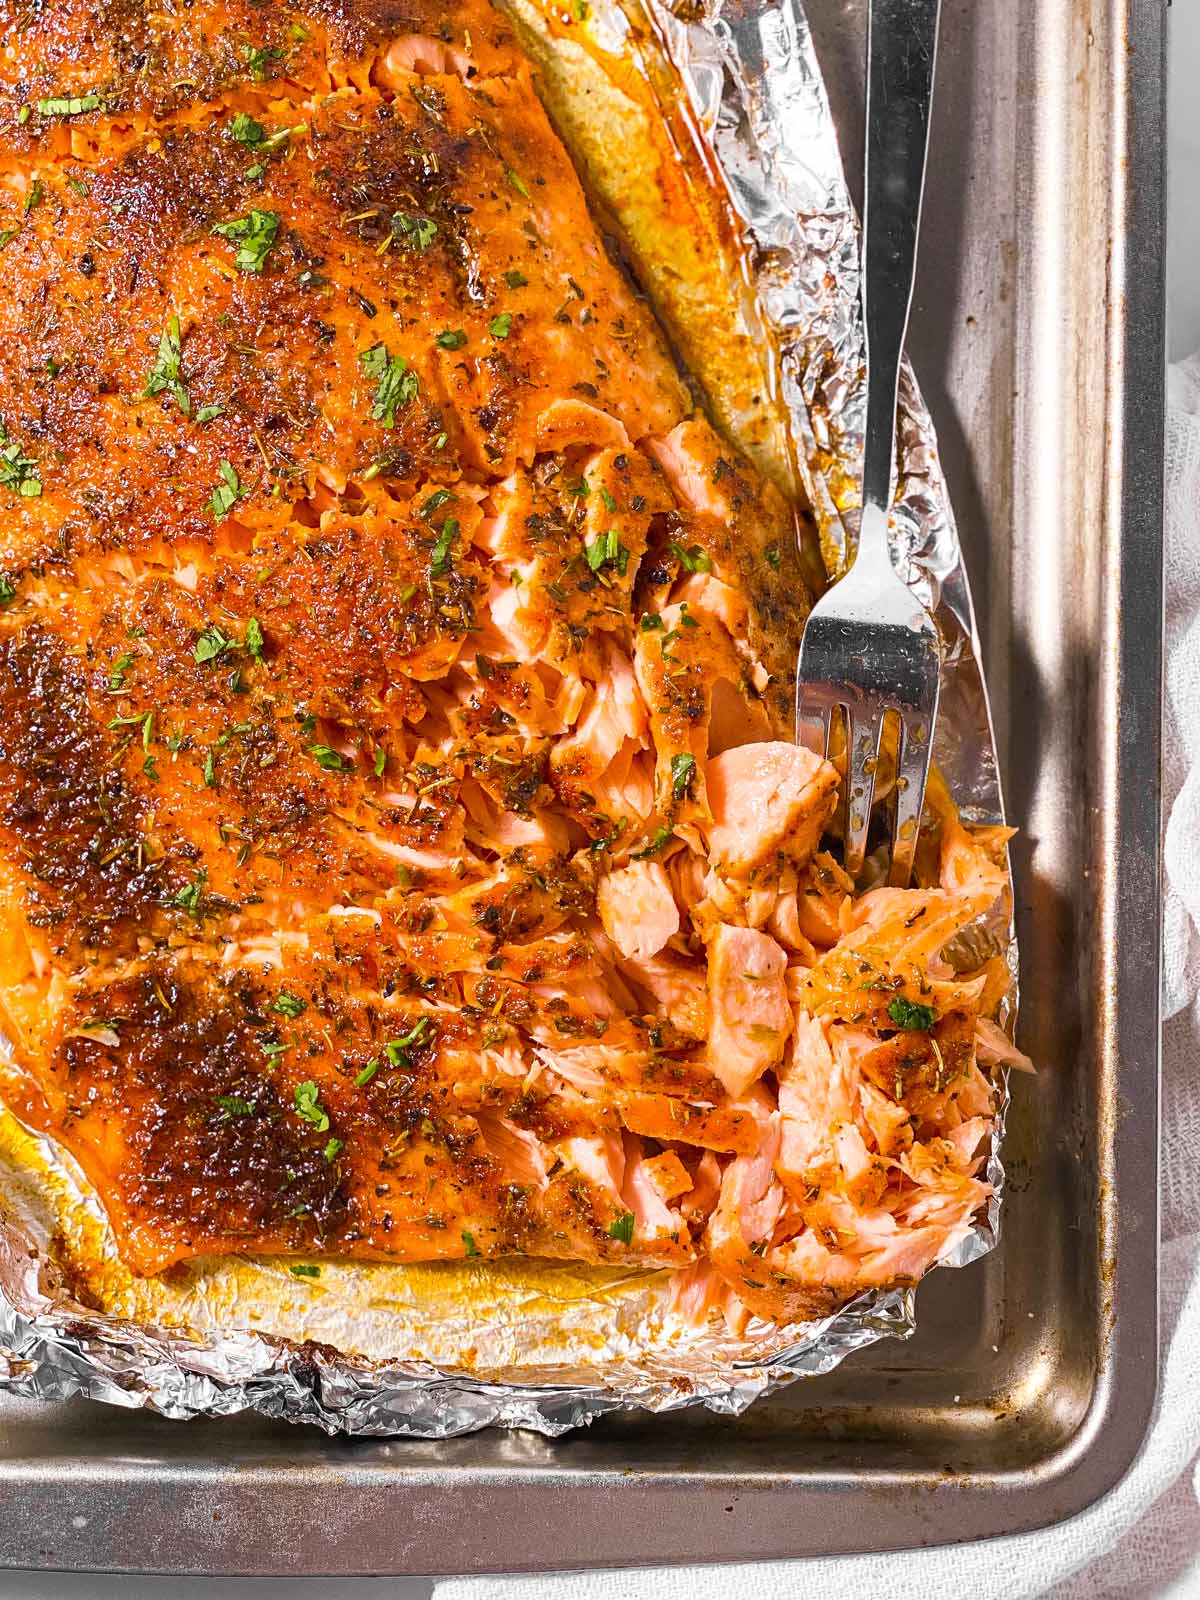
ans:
(402, 851)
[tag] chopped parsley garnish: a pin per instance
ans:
(190, 897)
(517, 181)
(8, 591)
(368, 1072)
(254, 236)
(651, 623)
(609, 503)
(468, 1240)
(683, 770)
(166, 373)
(245, 130)
(397, 386)
(258, 59)
(417, 231)
(207, 413)
(657, 842)
(228, 492)
(309, 1107)
(607, 550)
(332, 1148)
(289, 1005)
(116, 677)
(380, 762)
(235, 1105)
(910, 1015)
(774, 556)
(693, 559)
(209, 771)
(451, 339)
(302, 1269)
(500, 327)
(17, 470)
(515, 279)
(212, 643)
(7, 235)
(436, 501)
(397, 1050)
(439, 558)
(622, 1227)
(33, 196)
(329, 759)
(69, 106)
(254, 638)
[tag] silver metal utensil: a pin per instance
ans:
(869, 646)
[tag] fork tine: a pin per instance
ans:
(912, 769)
(862, 761)
(814, 723)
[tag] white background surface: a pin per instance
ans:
(1183, 275)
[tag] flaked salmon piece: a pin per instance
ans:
(624, 792)
(818, 1094)
(697, 1205)
(678, 661)
(783, 924)
(523, 1157)
(750, 1018)
(686, 871)
(655, 1224)
(699, 1293)
(884, 957)
(688, 455)
(728, 1127)
(739, 1231)
(767, 801)
(589, 1067)
(993, 1047)
(887, 1120)
(667, 1174)
(703, 591)
(566, 422)
(601, 1161)
(541, 833)
(738, 715)
(821, 898)
(677, 988)
(615, 716)
(419, 54)
(637, 909)
(963, 1146)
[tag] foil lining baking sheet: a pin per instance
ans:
(541, 1345)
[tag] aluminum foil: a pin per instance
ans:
(539, 1345)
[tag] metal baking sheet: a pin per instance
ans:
(1024, 1395)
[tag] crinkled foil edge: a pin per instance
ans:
(758, 99)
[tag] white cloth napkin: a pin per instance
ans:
(1143, 1539)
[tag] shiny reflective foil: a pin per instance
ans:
(432, 1351)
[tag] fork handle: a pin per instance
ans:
(901, 51)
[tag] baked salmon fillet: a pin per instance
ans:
(403, 855)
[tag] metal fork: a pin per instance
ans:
(869, 645)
